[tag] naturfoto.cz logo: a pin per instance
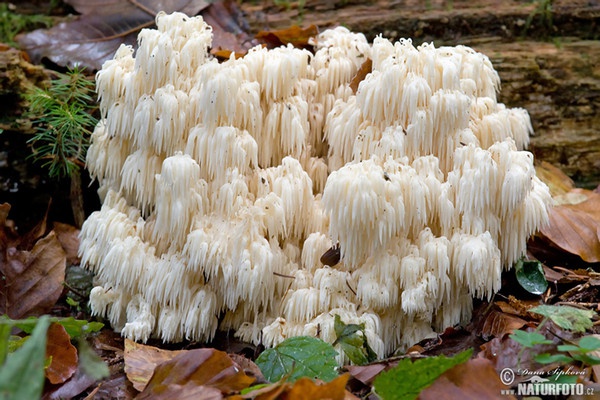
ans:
(537, 385)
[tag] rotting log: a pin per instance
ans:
(549, 63)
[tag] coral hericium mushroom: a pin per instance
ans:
(224, 183)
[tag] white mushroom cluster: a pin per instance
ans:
(224, 183)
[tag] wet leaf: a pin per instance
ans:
(353, 341)
(408, 378)
(93, 37)
(62, 353)
(571, 318)
(32, 280)
(295, 35)
(297, 357)
(141, 361)
(575, 228)
(194, 373)
(530, 276)
(22, 375)
(476, 379)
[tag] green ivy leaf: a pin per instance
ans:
(547, 358)
(22, 375)
(571, 318)
(297, 357)
(408, 378)
(530, 275)
(529, 339)
(353, 341)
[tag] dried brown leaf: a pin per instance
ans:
(307, 389)
(141, 361)
(516, 306)
(77, 384)
(295, 35)
(63, 355)
(360, 75)
(476, 379)
(498, 323)
(575, 228)
(32, 280)
(269, 392)
(8, 235)
(248, 366)
(558, 182)
(68, 236)
(190, 370)
(367, 373)
(230, 31)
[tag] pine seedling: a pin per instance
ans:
(64, 122)
(62, 116)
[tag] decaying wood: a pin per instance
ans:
(548, 63)
(17, 75)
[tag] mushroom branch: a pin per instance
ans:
(223, 184)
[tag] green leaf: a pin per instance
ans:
(562, 378)
(4, 336)
(353, 340)
(571, 318)
(589, 343)
(72, 302)
(568, 347)
(408, 378)
(74, 327)
(90, 362)
(296, 357)
(22, 375)
(529, 339)
(15, 343)
(547, 358)
(253, 388)
(586, 358)
(27, 325)
(77, 327)
(530, 275)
